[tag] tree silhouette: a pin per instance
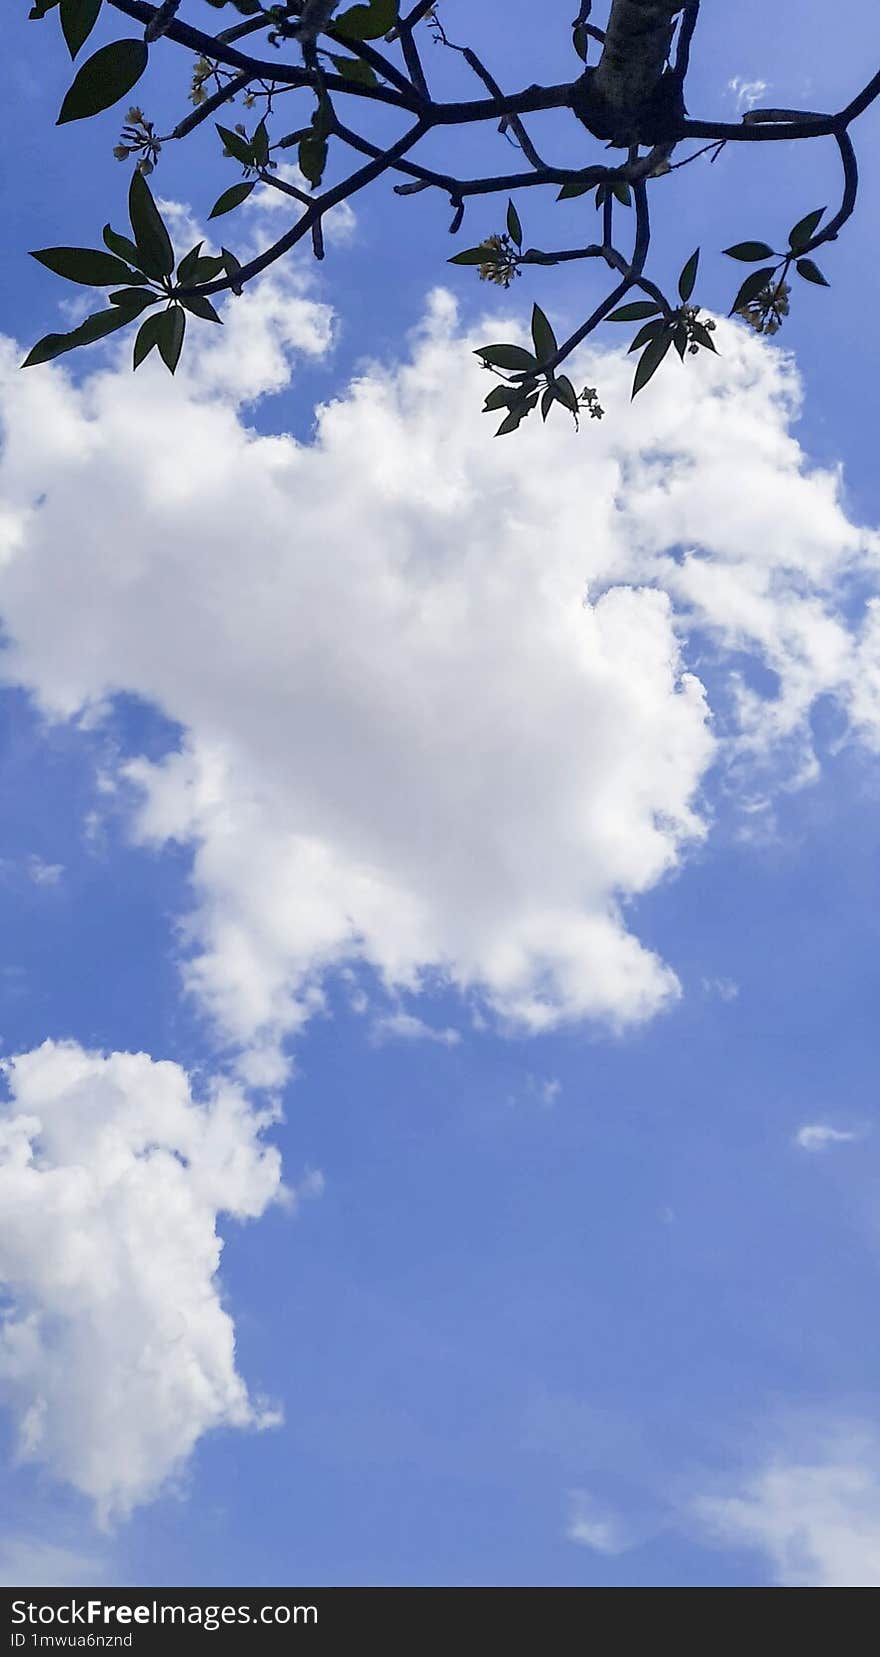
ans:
(348, 64)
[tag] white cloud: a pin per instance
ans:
(406, 1027)
(544, 1088)
(116, 1352)
(44, 874)
(592, 1527)
(339, 223)
(409, 740)
(817, 1136)
(745, 93)
(724, 988)
(312, 1184)
(28, 1562)
(816, 1519)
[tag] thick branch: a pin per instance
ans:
(635, 53)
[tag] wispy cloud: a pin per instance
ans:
(818, 1136)
(726, 989)
(815, 1517)
(745, 93)
(44, 874)
(28, 1562)
(592, 1526)
(406, 1027)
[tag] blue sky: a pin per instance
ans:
(481, 840)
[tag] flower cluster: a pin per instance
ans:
(501, 261)
(589, 400)
(765, 313)
(138, 137)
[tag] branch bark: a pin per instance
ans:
(636, 49)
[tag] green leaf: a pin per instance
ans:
(78, 18)
(103, 79)
(312, 156)
(811, 273)
(155, 252)
(236, 146)
(688, 277)
(547, 400)
(510, 357)
(367, 22)
(471, 256)
(514, 228)
(635, 312)
(517, 415)
(579, 41)
(94, 328)
(232, 266)
(702, 336)
(99, 325)
(172, 326)
(749, 252)
(804, 230)
(233, 197)
(543, 336)
(188, 262)
(650, 361)
(650, 331)
(92, 267)
(204, 269)
(354, 69)
(566, 393)
(680, 339)
(147, 337)
(622, 191)
(121, 246)
(260, 143)
(200, 306)
(134, 300)
(501, 396)
(752, 286)
(572, 189)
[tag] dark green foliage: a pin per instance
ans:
(367, 22)
(92, 268)
(155, 252)
(104, 78)
(78, 18)
(233, 197)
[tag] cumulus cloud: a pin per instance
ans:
(116, 1352)
(816, 1519)
(436, 710)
